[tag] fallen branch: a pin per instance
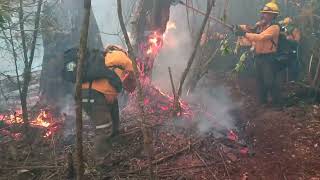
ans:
(169, 156)
(164, 158)
(204, 162)
(30, 167)
(224, 163)
(188, 167)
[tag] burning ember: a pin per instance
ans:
(156, 100)
(232, 136)
(14, 118)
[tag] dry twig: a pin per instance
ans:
(204, 162)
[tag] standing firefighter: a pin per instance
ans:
(264, 39)
(290, 40)
(100, 97)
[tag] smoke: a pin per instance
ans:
(67, 106)
(178, 45)
(218, 105)
(175, 52)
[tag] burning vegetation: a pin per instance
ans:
(216, 130)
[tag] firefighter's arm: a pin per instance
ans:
(296, 35)
(242, 41)
(129, 82)
(245, 28)
(268, 34)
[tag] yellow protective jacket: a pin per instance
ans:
(265, 42)
(113, 58)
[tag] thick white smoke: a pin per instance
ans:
(175, 53)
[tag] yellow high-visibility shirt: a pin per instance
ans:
(114, 58)
(265, 42)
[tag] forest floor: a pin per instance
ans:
(273, 144)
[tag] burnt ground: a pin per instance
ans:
(283, 143)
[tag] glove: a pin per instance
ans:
(238, 31)
(129, 82)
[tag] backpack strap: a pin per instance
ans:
(116, 67)
(274, 44)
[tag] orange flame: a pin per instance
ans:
(154, 44)
(43, 120)
(39, 121)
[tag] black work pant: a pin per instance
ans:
(100, 111)
(267, 76)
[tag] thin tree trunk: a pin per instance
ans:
(27, 63)
(78, 95)
(23, 96)
(135, 21)
(147, 133)
(210, 4)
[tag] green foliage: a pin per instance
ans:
(225, 48)
(240, 66)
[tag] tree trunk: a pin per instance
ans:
(23, 94)
(61, 31)
(150, 16)
(78, 96)
(27, 62)
(147, 133)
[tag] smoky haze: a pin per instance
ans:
(178, 46)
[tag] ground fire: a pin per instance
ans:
(44, 121)
(168, 89)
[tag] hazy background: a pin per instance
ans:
(239, 11)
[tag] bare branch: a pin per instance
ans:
(210, 4)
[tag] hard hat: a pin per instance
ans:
(287, 20)
(113, 47)
(271, 7)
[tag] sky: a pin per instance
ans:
(105, 12)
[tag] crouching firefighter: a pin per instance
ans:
(264, 39)
(105, 74)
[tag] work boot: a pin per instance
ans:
(101, 146)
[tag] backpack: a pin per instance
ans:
(287, 50)
(93, 68)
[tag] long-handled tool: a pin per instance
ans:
(228, 26)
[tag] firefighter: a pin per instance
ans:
(100, 98)
(290, 29)
(264, 40)
(293, 36)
